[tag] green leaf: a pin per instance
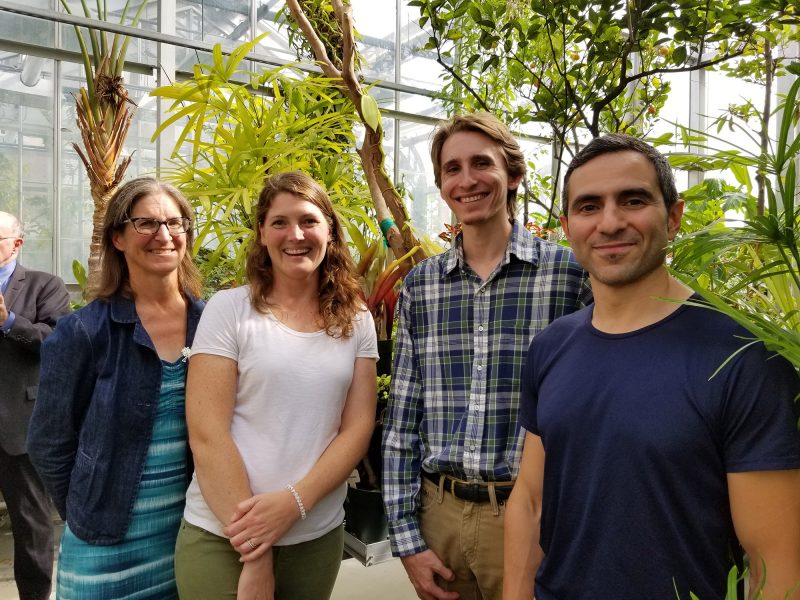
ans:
(733, 578)
(786, 125)
(370, 112)
(742, 175)
(79, 272)
(678, 55)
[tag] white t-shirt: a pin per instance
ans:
(291, 391)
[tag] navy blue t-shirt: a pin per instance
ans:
(638, 441)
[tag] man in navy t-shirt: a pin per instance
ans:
(643, 471)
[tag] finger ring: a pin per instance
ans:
(251, 544)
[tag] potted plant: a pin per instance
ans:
(365, 517)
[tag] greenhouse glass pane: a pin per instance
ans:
(418, 68)
(20, 28)
(214, 21)
(424, 106)
(375, 22)
(276, 44)
(428, 211)
(26, 156)
(139, 51)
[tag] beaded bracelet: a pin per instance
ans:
(299, 501)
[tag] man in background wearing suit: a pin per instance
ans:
(30, 303)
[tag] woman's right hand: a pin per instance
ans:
(260, 521)
(257, 581)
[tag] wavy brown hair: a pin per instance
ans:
(339, 291)
(114, 279)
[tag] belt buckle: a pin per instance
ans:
(471, 492)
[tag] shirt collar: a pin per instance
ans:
(5, 273)
(123, 309)
(522, 244)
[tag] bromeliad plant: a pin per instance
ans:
(750, 270)
(381, 277)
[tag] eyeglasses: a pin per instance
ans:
(148, 226)
(9, 237)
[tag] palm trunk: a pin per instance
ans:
(103, 118)
(96, 246)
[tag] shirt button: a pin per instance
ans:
(480, 328)
(480, 368)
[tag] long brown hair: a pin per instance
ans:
(114, 278)
(339, 292)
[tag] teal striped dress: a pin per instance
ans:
(141, 566)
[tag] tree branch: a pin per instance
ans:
(344, 15)
(316, 44)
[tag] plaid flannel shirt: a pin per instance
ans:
(459, 350)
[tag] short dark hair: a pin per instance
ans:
(619, 142)
(490, 126)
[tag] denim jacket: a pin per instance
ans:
(93, 418)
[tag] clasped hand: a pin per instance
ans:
(259, 522)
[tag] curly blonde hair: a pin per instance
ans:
(339, 292)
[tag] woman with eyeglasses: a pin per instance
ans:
(108, 432)
(280, 403)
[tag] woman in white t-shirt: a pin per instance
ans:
(280, 404)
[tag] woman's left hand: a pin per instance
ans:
(260, 521)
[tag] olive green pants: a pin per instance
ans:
(207, 567)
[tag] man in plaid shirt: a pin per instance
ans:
(466, 318)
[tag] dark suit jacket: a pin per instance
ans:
(38, 300)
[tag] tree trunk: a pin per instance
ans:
(762, 166)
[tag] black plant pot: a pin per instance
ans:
(364, 515)
(374, 451)
(384, 365)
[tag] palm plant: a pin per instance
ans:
(103, 113)
(751, 270)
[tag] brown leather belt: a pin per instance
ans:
(471, 491)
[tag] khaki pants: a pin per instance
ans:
(207, 567)
(468, 538)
